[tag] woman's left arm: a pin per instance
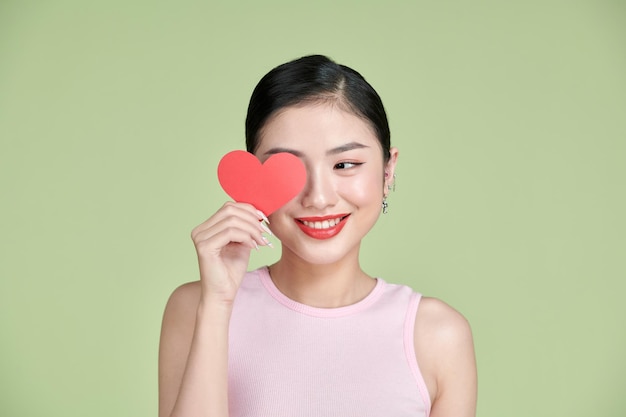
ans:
(445, 353)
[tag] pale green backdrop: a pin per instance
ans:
(511, 122)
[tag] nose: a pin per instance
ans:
(319, 191)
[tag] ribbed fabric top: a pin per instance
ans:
(293, 360)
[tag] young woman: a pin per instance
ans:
(312, 334)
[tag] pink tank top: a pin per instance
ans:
(289, 359)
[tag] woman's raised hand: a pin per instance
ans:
(193, 357)
(223, 244)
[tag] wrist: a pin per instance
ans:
(214, 306)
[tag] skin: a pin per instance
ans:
(346, 174)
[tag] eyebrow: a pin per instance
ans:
(273, 151)
(334, 151)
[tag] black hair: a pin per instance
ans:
(312, 79)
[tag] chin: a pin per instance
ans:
(320, 257)
(318, 251)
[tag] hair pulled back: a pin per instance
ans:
(315, 79)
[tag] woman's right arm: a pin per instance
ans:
(193, 354)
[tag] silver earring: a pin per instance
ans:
(385, 206)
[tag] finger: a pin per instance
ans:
(242, 210)
(233, 220)
(254, 210)
(224, 237)
(234, 225)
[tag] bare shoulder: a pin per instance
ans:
(444, 350)
(182, 306)
(441, 322)
(177, 330)
(185, 297)
(179, 317)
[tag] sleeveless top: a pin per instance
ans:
(293, 360)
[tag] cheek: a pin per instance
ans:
(363, 189)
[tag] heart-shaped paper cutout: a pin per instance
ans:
(266, 186)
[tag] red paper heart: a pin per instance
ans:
(266, 186)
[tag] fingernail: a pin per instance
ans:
(263, 216)
(255, 245)
(267, 242)
(266, 229)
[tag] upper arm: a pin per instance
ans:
(176, 336)
(445, 353)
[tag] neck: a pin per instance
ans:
(325, 286)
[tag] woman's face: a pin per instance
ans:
(346, 178)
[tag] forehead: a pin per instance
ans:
(315, 127)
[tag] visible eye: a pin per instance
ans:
(347, 165)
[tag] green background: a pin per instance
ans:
(511, 122)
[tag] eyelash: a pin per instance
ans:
(341, 166)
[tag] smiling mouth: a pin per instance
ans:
(322, 227)
(322, 224)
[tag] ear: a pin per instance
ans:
(390, 169)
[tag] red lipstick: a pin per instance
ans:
(323, 227)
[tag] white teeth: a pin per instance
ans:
(322, 225)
